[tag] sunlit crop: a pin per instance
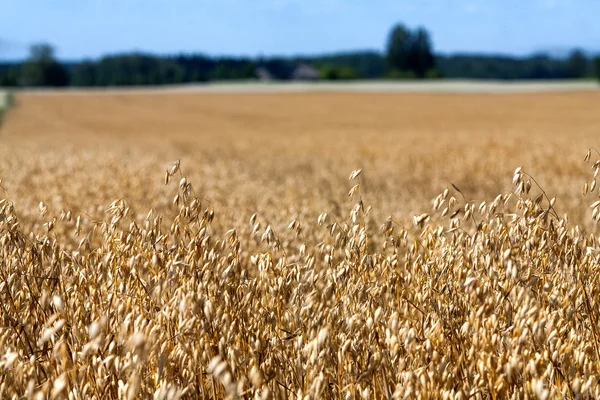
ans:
(123, 275)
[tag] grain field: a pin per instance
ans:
(212, 245)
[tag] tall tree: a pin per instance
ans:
(420, 54)
(42, 69)
(409, 52)
(597, 65)
(398, 47)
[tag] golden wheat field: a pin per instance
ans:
(254, 267)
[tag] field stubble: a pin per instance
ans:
(101, 299)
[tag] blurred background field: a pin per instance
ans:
(276, 153)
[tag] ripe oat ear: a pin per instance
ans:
(43, 209)
(174, 167)
(355, 174)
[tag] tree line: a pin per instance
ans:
(408, 55)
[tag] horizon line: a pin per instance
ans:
(471, 53)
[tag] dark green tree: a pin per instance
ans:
(233, 68)
(597, 66)
(334, 73)
(136, 69)
(195, 67)
(84, 74)
(366, 64)
(577, 64)
(42, 69)
(420, 56)
(398, 48)
(280, 68)
(9, 75)
(409, 53)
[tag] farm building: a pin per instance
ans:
(305, 72)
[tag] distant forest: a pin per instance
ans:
(408, 55)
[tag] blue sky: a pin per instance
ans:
(90, 28)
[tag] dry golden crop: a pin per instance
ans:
(253, 268)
